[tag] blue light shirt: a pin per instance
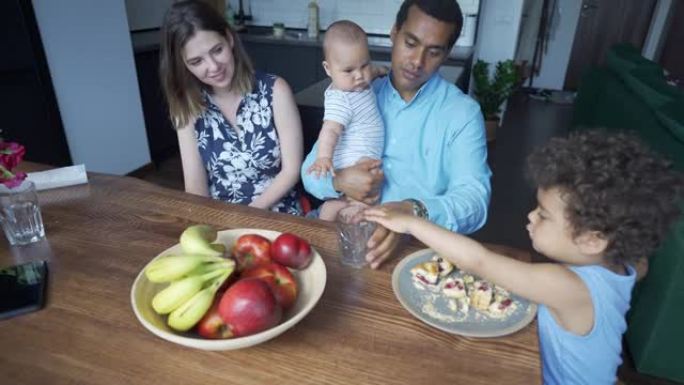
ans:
(592, 359)
(435, 151)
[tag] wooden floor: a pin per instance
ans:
(527, 124)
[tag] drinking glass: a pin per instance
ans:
(20, 214)
(354, 234)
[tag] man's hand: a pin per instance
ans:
(383, 242)
(361, 181)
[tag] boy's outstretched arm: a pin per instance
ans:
(550, 284)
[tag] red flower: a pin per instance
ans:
(15, 180)
(10, 155)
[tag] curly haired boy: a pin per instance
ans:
(605, 202)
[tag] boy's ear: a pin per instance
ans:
(393, 33)
(326, 68)
(592, 243)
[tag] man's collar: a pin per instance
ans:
(427, 85)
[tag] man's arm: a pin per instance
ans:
(463, 207)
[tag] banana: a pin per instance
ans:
(219, 247)
(188, 314)
(174, 267)
(192, 311)
(179, 292)
(205, 268)
(198, 239)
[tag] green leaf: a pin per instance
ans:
(492, 91)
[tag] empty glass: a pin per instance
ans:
(20, 214)
(354, 234)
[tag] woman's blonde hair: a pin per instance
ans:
(182, 89)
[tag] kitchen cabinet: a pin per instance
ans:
(161, 136)
(28, 106)
(299, 65)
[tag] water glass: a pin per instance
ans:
(354, 234)
(20, 214)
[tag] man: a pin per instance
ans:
(435, 160)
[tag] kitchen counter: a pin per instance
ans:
(312, 96)
(149, 40)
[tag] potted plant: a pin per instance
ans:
(492, 91)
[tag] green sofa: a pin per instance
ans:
(630, 93)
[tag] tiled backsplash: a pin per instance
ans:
(375, 16)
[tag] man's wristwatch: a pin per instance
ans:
(419, 208)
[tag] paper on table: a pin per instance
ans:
(59, 177)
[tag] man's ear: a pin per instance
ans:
(592, 243)
(326, 67)
(393, 33)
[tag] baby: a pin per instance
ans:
(604, 203)
(352, 126)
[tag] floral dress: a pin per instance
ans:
(241, 163)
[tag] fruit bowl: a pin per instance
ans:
(311, 285)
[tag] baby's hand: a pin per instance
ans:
(378, 71)
(321, 167)
(391, 216)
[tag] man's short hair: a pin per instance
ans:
(447, 11)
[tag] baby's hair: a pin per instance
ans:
(613, 184)
(344, 32)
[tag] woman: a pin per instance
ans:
(239, 131)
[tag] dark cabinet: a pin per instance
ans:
(28, 106)
(299, 65)
(161, 136)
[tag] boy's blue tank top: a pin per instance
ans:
(591, 359)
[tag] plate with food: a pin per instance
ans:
(231, 289)
(441, 295)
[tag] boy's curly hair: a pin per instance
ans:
(613, 184)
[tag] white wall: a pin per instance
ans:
(90, 57)
(375, 16)
(497, 34)
(555, 60)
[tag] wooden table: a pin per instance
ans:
(100, 235)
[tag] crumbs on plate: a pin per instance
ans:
(464, 293)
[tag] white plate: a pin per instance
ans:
(474, 324)
(311, 285)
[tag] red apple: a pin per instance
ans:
(251, 250)
(291, 251)
(279, 279)
(212, 326)
(249, 306)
